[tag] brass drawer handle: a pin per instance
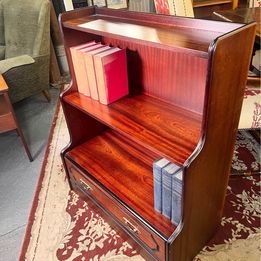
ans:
(84, 185)
(131, 226)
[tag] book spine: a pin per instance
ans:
(81, 74)
(172, 10)
(100, 80)
(142, 5)
(177, 192)
(166, 193)
(91, 77)
(158, 166)
(115, 74)
(75, 67)
(162, 6)
(183, 8)
(157, 180)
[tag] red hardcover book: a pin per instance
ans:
(163, 6)
(111, 75)
(88, 57)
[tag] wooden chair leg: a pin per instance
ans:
(17, 127)
(24, 143)
(47, 95)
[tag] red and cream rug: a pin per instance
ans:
(246, 158)
(62, 226)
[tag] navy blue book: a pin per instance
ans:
(157, 180)
(167, 174)
(177, 191)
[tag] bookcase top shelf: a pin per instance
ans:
(186, 38)
(168, 130)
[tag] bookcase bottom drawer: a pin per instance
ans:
(140, 232)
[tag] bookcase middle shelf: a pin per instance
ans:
(163, 128)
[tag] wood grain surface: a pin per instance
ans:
(124, 170)
(163, 21)
(185, 40)
(168, 130)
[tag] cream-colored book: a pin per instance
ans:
(181, 8)
(79, 69)
(89, 64)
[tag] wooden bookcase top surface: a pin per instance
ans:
(184, 35)
(165, 129)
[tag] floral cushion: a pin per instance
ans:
(251, 110)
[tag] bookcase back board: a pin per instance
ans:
(186, 80)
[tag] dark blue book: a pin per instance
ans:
(167, 174)
(157, 180)
(177, 192)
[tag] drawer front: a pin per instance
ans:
(154, 243)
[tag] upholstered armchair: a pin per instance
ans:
(25, 46)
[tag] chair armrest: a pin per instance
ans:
(7, 64)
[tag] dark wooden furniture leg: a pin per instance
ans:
(47, 95)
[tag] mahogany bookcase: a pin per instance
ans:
(186, 83)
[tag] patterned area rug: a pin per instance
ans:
(246, 158)
(250, 116)
(62, 226)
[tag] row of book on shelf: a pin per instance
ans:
(168, 189)
(100, 71)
